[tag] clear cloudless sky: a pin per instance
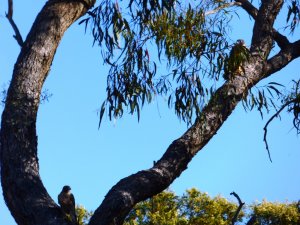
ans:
(73, 151)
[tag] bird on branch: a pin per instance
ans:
(66, 201)
(238, 55)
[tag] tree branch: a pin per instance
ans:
(137, 187)
(144, 184)
(283, 58)
(9, 16)
(271, 119)
(248, 7)
(23, 190)
(241, 204)
(262, 39)
(280, 39)
(252, 220)
(226, 5)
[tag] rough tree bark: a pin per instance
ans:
(144, 184)
(23, 190)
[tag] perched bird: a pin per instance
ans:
(67, 203)
(234, 62)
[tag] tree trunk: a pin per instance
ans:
(23, 190)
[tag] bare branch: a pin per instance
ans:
(241, 204)
(227, 5)
(270, 120)
(9, 16)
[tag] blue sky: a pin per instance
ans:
(73, 151)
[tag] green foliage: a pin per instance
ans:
(161, 209)
(3, 93)
(293, 102)
(198, 208)
(44, 97)
(293, 17)
(190, 38)
(83, 216)
(276, 213)
(264, 98)
(192, 42)
(191, 209)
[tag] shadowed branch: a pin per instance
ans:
(241, 204)
(280, 39)
(9, 16)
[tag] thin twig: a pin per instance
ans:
(241, 204)
(9, 16)
(227, 5)
(269, 121)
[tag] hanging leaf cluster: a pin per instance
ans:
(293, 101)
(269, 96)
(195, 47)
(193, 44)
(293, 16)
(180, 36)
(264, 98)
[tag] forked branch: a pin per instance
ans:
(241, 204)
(251, 221)
(271, 119)
(280, 39)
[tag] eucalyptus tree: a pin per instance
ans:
(193, 38)
(196, 208)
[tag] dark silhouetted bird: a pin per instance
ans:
(67, 203)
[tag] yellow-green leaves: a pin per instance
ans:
(198, 208)
(276, 213)
(192, 208)
(180, 36)
(83, 215)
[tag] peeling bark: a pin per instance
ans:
(23, 190)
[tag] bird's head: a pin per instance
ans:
(66, 188)
(240, 42)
